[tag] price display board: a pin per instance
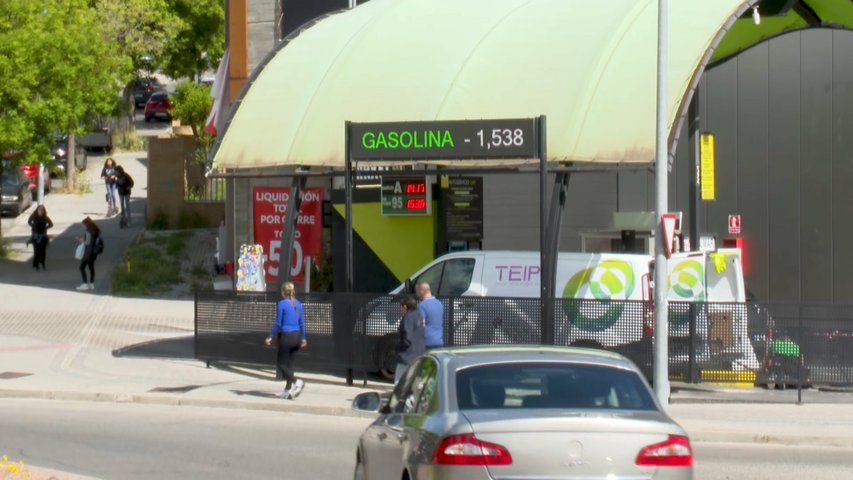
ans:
(444, 140)
(406, 196)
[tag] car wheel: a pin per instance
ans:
(386, 357)
(147, 118)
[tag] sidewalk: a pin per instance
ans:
(58, 343)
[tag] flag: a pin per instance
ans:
(217, 91)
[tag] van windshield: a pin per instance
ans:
(449, 278)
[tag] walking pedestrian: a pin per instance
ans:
(411, 332)
(39, 224)
(124, 184)
(289, 331)
(108, 173)
(89, 239)
(433, 314)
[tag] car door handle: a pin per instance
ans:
(381, 435)
(402, 437)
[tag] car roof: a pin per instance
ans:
(484, 354)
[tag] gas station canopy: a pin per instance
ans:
(588, 66)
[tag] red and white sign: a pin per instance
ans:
(734, 224)
(269, 205)
(668, 222)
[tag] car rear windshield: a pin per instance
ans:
(159, 97)
(551, 385)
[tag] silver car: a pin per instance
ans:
(521, 412)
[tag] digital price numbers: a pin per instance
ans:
(406, 196)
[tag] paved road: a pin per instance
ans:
(128, 442)
(736, 461)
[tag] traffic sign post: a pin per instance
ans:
(668, 224)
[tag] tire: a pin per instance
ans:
(147, 119)
(385, 356)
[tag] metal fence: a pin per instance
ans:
(708, 342)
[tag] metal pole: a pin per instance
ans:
(348, 210)
(352, 3)
(40, 184)
(661, 351)
(288, 230)
(544, 264)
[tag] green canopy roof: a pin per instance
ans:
(589, 66)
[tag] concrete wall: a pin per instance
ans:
(168, 159)
(261, 30)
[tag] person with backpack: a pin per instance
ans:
(124, 184)
(92, 246)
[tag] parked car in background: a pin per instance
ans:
(31, 170)
(60, 154)
(158, 106)
(521, 412)
(142, 88)
(14, 190)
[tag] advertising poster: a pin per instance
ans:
(269, 205)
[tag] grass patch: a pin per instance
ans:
(81, 184)
(128, 140)
(157, 264)
(146, 270)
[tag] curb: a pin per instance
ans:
(144, 399)
(722, 436)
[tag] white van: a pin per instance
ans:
(513, 277)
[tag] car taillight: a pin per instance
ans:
(469, 450)
(674, 452)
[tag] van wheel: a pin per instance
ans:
(385, 356)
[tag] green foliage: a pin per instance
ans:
(199, 40)
(137, 28)
(321, 276)
(191, 105)
(147, 269)
(159, 222)
(58, 70)
(190, 220)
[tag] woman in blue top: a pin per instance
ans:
(290, 324)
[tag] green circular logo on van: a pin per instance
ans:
(687, 281)
(609, 280)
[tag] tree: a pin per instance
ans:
(199, 41)
(191, 106)
(57, 70)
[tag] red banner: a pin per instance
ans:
(269, 205)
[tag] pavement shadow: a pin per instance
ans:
(254, 393)
(179, 348)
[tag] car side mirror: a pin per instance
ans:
(366, 402)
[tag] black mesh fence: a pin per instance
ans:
(708, 342)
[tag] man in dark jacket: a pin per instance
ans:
(411, 332)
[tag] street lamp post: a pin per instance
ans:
(661, 353)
